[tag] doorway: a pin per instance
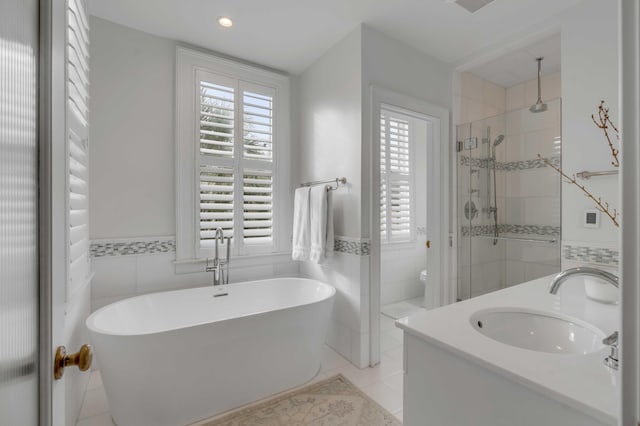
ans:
(404, 136)
(408, 214)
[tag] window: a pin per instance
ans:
(232, 130)
(396, 178)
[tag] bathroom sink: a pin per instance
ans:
(538, 331)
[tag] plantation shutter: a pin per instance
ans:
(77, 144)
(236, 137)
(217, 147)
(395, 178)
(258, 146)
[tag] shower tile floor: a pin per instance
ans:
(383, 383)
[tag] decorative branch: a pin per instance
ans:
(603, 206)
(604, 122)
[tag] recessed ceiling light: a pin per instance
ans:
(225, 22)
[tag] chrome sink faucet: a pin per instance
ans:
(217, 265)
(563, 276)
(612, 361)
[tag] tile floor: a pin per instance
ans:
(383, 382)
(404, 308)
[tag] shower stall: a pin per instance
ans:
(508, 199)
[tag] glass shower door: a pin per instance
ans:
(480, 265)
(508, 199)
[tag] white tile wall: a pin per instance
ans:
(476, 99)
(525, 94)
(526, 197)
(400, 272)
(119, 277)
(348, 330)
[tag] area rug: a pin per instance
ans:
(331, 402)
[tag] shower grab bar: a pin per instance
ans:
(587, 175)
(526, 240)
(337, 181)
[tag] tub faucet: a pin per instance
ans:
(217, 265)
(563, 276)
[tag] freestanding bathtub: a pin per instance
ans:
(176, 357)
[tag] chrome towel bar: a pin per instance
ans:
(337, 181)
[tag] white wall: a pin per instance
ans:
(329, 114)
(390, 64)
(330, 128)
(589, 74)
(132, 122)
(333, 108)
(132, 169)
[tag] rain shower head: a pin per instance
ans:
(498, 140)
(539, 106)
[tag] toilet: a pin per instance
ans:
(428, 290)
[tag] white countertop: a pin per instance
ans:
(580, 381)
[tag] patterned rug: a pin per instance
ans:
(331, 402)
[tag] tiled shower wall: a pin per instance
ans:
(528, 191)
(532, 193)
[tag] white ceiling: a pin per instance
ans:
(291, 34)
(520, 65)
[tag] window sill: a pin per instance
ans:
(190, 266)
(404, 245)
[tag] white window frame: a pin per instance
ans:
(388, 243)
(188, 63)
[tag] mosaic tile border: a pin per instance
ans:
(536, 163)
(543, 230)
(355, 247)
(132, 247)
(599, 255)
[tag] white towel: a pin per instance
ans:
(321, 221)
(328, 249)
(301, 229)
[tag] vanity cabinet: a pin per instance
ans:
(520, 356)
(442, 388)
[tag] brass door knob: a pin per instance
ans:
(428, 243)
(82, 359)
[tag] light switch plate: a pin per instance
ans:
(591, 218)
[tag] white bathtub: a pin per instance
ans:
(176, 357)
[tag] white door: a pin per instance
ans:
(67, 230)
